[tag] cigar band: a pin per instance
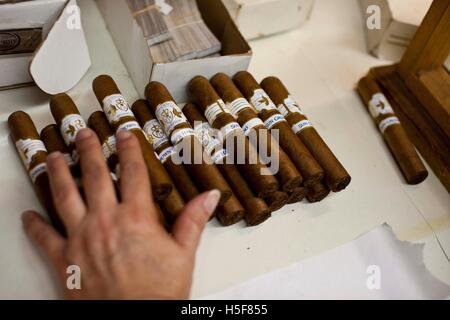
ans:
(180, 134)
(274, 120)
(69, 159)
(379, 105)
(386, 123)
(251, 125)
(261, 101)
(289, 106)
(70, 126)
(155, 133)
(238, 105)
(301, 125)
(227, 130)
(109, 147)
(129, 126)
(218, 157)
(170, 116)
(28, 148)
(165, 154)
(215, 110)
(116, 107)
(204, 134)
(37, 171)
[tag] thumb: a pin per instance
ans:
(190, 224)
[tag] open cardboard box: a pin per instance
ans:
(129, 39)
(62, 58)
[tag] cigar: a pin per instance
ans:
(69, 121)
(162, 146)
(34, 157)
(231, 212)
(256, 210)
(297, 195)
(277, 200)
(288, 175)
(179, 131)
(121, 118)
(54, 142)
(317, 192)
(311, 171)
(393, 133)
(220, 118)
(172, 206)
(336, 177)
(100, 125)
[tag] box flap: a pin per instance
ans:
(63, 58)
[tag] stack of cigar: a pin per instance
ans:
(250, 141)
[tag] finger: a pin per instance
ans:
(46, 238)
(189, 226)
(96, 177)
(66, 197)
(134, 179)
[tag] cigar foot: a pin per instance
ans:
(277, 200)
(317, 193)
(230, 213)
(340, 184)
(293, 184)
(297, 195)
(257, 213)
(314, 179)
(162, 191)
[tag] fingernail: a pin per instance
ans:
(84, 134)
(124, 135)
(54, 155)
(211, 201)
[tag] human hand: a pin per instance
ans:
(120, 247)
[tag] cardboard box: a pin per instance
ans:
(129, 39)
(52, 66)
(259, 18)
(399, 22)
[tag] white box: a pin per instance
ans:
(60, 60)
(135, 53)
(399, 22)
(259, 18)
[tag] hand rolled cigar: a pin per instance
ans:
(164, 148)
(99, 123)
(220, 118)
(172, 206)
(297, 195)
(336, 177)
(277, 200)
(231, 212)
(54, 142)
(256, 210)
(34, 157)
(317, 192)
(121, 118)
(311, 171)
(390, 127)
(68, 119)
(288, 175)
(179, 131)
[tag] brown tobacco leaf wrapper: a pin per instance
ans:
(207, 100)
(395, 136)
(99, 123)
(68, 119)
(160, 143)
(288, 176)
(34, 156)
(207, 177)
(311, 171)
(54, 142)
(297, 195)
(120, 117)
(172, 206)
(336, 177)
(256, 210)
(231, 212)
(317, 192)
(277, 200)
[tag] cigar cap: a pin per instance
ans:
(103, 87)
(21, 126)
(62, 105)
(157, 93)
(203, 92)
(142, 112)
(51, 136)
(226, 88)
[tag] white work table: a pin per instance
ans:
(321, 64)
